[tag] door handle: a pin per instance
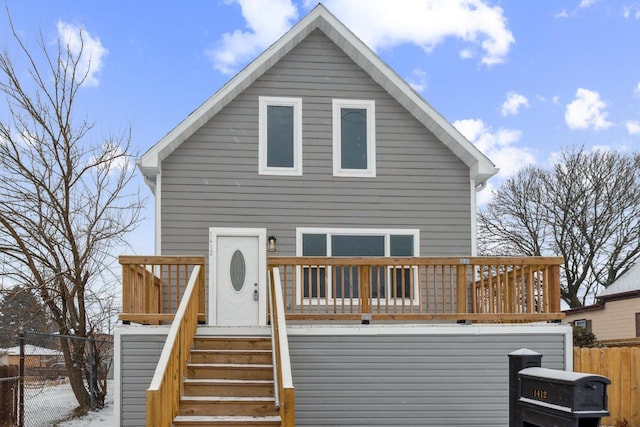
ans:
(255, 292)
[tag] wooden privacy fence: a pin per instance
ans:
(419, 288)
(8, 395)
(622, 366)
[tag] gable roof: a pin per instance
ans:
(628, 282)
(481, 168)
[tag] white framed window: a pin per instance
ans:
(354, 138)
(581, 322)
(279, 136)
(315, 282)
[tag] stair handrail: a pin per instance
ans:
(165, 390)
(274, 356)
(284, 391)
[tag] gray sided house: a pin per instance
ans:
(321, 145)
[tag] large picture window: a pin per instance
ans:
(386, 283)
(280, 136)
(354, 138)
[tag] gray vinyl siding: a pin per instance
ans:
(418, 380)
(212, 178)
(139, 357)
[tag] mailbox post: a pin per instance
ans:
(519, 360)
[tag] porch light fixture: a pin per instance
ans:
(271, 244)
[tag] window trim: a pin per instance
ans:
(370, 107)
(581, 323)
(330, 232)
(268, 101)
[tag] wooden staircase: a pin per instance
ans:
(229, 383)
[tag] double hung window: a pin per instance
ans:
(354, 138)
(279, 136)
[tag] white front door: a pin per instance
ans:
(237, 276)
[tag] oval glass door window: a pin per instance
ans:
(237, 270)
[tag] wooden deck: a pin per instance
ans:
(476, 289)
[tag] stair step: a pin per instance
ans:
(231, 356)
(225, 421)
(220, 405)
(235, 343)
(230, 371)
(220, 387)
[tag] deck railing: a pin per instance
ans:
(163, 394)
(417, 288)
(152, 287)
(285, 393)
(414, 288)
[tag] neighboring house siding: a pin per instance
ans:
(419, 380)
(139, 357)
(616, 321)
(212, 178)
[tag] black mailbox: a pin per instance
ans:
(553, 398)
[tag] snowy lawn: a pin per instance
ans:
(47, 404)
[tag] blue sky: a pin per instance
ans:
(519, 78)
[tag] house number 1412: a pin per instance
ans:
(540, 394)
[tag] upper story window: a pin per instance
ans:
(354, 138)
(280, 136)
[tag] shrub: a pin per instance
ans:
(583, 338)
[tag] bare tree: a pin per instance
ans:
(585, 208)
(65, 203)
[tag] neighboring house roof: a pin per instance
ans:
(628, 282)
(626, 286)
(31, 350)
(481, 168)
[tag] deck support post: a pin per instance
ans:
(365, 292)
(461, 282)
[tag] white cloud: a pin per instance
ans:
(636, 90)
(587, 111)
(427, 23)
(555, 99)
(499, 146)
(418, 80)
(587, 3)
(467, 54)
(112, 159)
(562, 14)
(631, 11)
(90, 49)
(266, 23)
(514, 101)
(381, 24)
(470, 128)
(633, 127)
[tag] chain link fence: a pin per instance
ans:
(42, 392)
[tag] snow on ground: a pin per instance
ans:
(47, 404)
(103, 418)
